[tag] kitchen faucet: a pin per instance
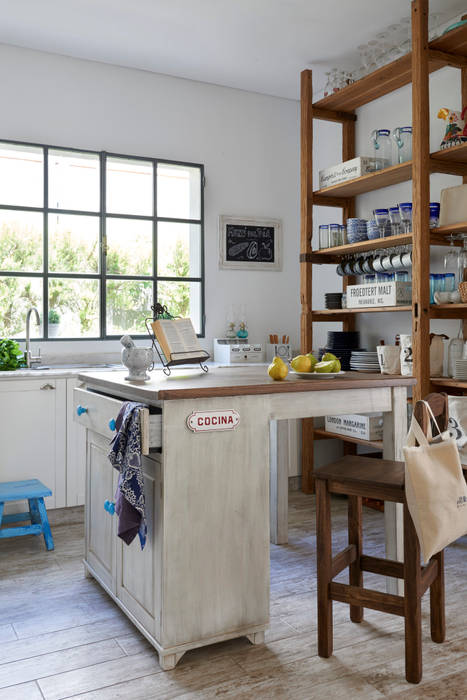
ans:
(30, 359)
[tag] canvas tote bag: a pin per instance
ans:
(435, 489)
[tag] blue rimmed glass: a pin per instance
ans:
(395, 217)
(334, 235)
(382, 218)
(434, 214)
(324, 236)
(405, 209)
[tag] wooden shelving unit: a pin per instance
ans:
(321, 434)
(426, 57)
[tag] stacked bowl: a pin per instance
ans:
(356, 230)
(333, 300)
(341, 344)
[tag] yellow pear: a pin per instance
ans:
(278, 369)
(325, 367)
(313, 360)
(301, 363)
(328, 357)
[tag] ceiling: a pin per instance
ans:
(258, 45)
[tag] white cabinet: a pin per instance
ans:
(75, 451)
(33, 434)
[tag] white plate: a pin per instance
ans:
(317, 375)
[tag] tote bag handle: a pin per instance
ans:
(416, 434)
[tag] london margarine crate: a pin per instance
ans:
(349, 170)
(365, 427)
(379, 294)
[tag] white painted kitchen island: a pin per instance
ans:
(204, 574)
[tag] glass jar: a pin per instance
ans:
(455, 352)
(382, 148)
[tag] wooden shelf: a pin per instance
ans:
(344, 314)
(324, 434)
(446, 311)
(330, 255)
(393, 76)
(451, 228)
(454, 154)
(449, 383)
(368, 183)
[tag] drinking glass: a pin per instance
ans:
(344, 235)
(402, 276)
(382, 217)
(449, 282)
(328, 87)
(324, 236)
(434, 214)
(462, 261)
(395, 217)
(405, 209)
(452, 261)
(432, 288)
(334, 235)
(382, 148)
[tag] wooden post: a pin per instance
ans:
(464, 179)
(348, 152)
(420, 199)
(306, 268)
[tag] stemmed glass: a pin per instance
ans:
(382, 218)
(462, 259)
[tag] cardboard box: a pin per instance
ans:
(453, 205)
(379, 294)
(349, 170)
(365, 427)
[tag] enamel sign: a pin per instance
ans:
(204, 421)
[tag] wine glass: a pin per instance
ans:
(382, 218)
(453, 261)
(462, 259)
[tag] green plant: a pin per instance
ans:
(11, 357)
(54, 316)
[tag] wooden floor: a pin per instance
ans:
(61, 636)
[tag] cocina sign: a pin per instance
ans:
(203, 421)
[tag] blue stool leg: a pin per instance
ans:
(1, 512)
(34, 511)
(48, 539)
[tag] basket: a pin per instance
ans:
(463, 292)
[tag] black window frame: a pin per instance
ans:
(102, 215)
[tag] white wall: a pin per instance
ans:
(249, 144)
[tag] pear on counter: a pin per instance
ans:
(301, 363)
(313, 360)
(278, 369)
(325, 367)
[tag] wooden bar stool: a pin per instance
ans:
(357, 477)
(34, 492)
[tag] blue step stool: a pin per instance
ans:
(34, 492)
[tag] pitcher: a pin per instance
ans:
(402, 135)
(382, 148)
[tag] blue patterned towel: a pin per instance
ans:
(126, 456)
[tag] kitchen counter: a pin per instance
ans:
(57, 371)
(203, 576)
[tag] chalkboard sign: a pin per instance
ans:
(249, 244)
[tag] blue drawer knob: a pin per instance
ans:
(109, 506)
(112, 424)
(80, 410)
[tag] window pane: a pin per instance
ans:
(17, 295)
(74, 180)
(182, 299)
(21, 175)
(73, 243)
(129, 247)
(178, 191)
(21, 241)
(128, 305)
(76, 303)
(129, 186)
(178, 250)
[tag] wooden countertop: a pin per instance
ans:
(230, 381)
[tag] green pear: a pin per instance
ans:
(325, 367)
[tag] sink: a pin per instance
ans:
(41, 368)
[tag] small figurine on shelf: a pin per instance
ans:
(242, 330)
(456, 127)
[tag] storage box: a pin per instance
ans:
(349, 170)
(365, 427)
(379, 294)
(235, 350)
(453, 205)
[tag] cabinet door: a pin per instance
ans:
(33, 434)
(139, 571)
(100, 525)
(75, 451)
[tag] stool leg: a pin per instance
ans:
(48, 539)
(1, 512)
(355, 537)
(324, 567)
(34, 511)
(412, 601)
(437, 602)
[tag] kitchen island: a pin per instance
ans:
(204, 574)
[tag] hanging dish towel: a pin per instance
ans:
(126, 456)
(435, 489)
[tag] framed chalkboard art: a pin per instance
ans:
(250, 244)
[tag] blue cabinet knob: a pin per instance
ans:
(109, 506)
(112, 424)
(80, 410)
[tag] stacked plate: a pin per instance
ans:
(460, 369)
(364, 361)
(333, 300)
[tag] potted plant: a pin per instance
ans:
(54, 323)
(11, 357)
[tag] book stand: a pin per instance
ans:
(159, 312)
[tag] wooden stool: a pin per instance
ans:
(34, 491)
(382, 479)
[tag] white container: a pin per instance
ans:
(453, 205)
(228, 351)
(379, 294)
(350, 169)
(365, 427)
(282, 350)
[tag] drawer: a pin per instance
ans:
(96, 412)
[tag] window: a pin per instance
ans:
(94, 239)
